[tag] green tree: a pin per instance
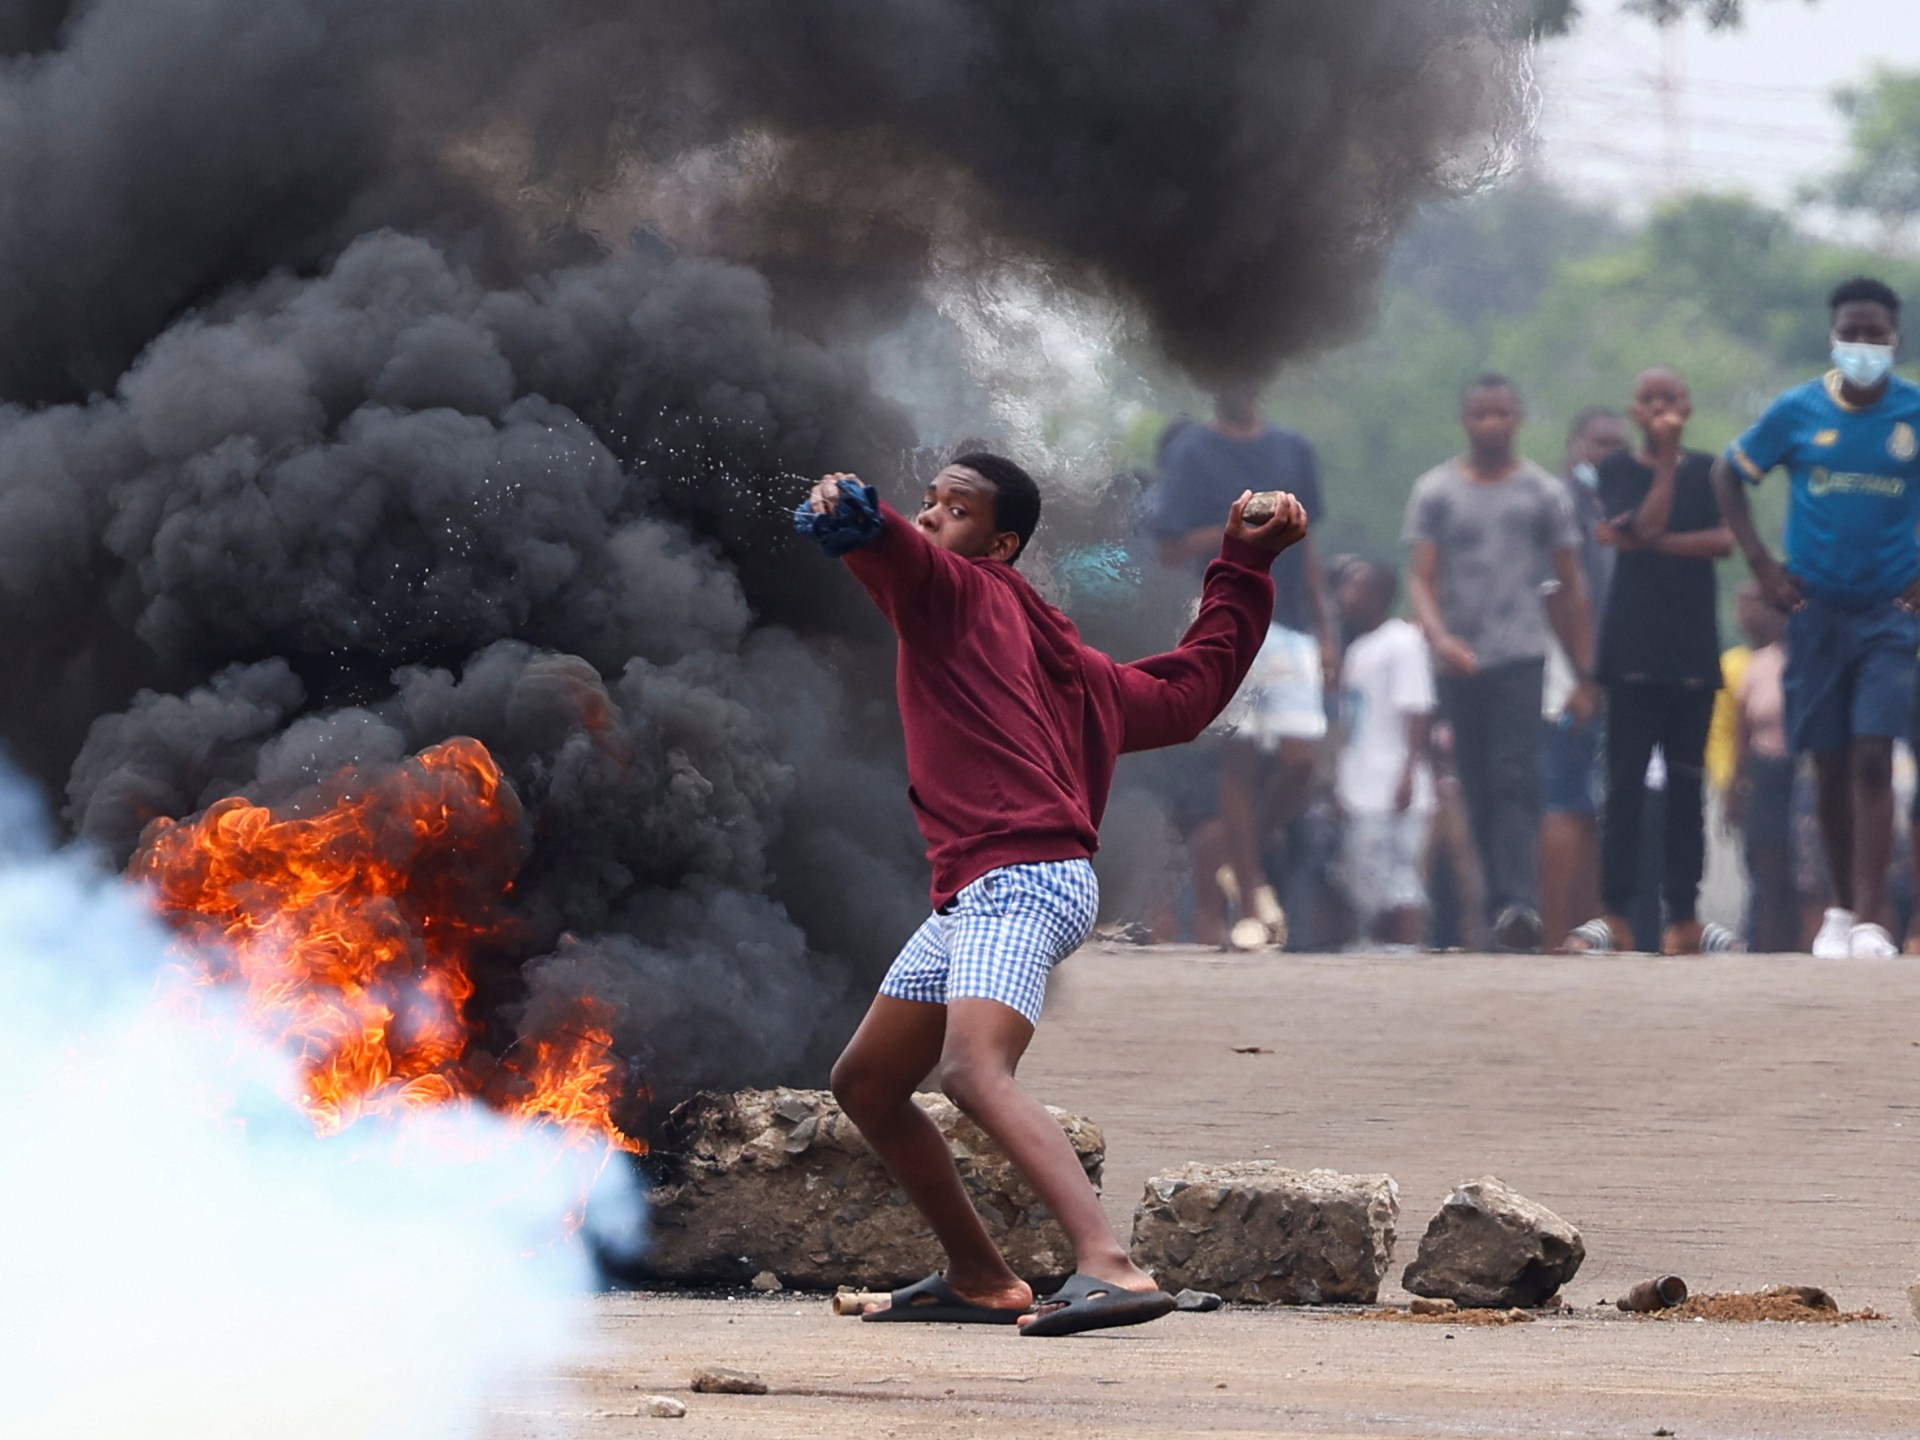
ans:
(1881, 177)
(1557, 17)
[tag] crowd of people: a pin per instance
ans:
(1530, 760)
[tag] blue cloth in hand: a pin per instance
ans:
(855, 522)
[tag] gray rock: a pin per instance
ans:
(1491, 1248)
(1198, 1302)
(767, 1283)
(663, 1407)
(1258, 1233)
(727, 1382)
(780, 1181)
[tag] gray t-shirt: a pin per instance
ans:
(1495, 540)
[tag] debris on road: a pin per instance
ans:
(663, 1407)
(780, 1181)
(727, 1382)
(1197, 1302)
(1790, 1303)
(1472, 1319)
(1257, 1233)
(1650, 1295)
(1492, 1248)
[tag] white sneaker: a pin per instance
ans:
(1870, 942)
(1835, 940)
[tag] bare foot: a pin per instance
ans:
(1683, 937)
(1123, 1276)
(1014, 1294)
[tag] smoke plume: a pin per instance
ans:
(386, 370)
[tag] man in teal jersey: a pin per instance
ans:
(1850, 585)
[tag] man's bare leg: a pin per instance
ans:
(984, 1043)
(1833, 807)
(1405, 926)
(1207, 849)
(894, 1050)
(1243, 805)
(1569, 873)
(1872, 826)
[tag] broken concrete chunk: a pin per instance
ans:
(1258, 1233)
(1198, 1302)
(780, 1182)
(663, 1407)
(1492, 1248)
(728, 1382)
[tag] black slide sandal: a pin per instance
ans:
(1087, 1303)
(934, 1302)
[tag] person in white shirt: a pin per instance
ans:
(1385, 781)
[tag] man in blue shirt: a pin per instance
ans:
(1850, 584)
(1273, 730)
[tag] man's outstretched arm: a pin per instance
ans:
(915, 583)
(1169, 699)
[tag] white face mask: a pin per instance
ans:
(1863, 365)
(1587, 475)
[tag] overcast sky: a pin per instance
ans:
(1752, 108)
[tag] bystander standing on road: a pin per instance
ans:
(1850, 582)
(1482, 528)
(1659, 659)
(1760, 791)
(1570, 774)
(1385, 783)
(1273, 730)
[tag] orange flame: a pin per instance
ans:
(349, 934)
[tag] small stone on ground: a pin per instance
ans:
(663, 1407)
(767, 1282)
(1198, 1301)
(727, 1382)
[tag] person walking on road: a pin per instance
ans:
(1849, 584)
(1483, 527)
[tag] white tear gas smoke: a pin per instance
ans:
(185, 1260)
(381, 370)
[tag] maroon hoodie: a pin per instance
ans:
(1013, 724)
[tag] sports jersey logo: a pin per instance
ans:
(1824, 482)
(1903, 444)
(1826, 439)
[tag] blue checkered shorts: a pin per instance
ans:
(1000, 937)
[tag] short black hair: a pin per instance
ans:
(1863, 288)
(1490, 380)
(1016, 498)
(1587, 416)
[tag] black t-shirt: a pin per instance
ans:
(1661, 621)
(1203, 473)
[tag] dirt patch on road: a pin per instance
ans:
(1477, 1319)
(1780, 1305)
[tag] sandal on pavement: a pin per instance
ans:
(1088, 1303)
(1600, 936)
(933, 1301)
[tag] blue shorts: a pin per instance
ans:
(1000, 938)
(1570, 767)
(1849, 673)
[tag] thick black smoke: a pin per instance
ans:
(384, 370)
